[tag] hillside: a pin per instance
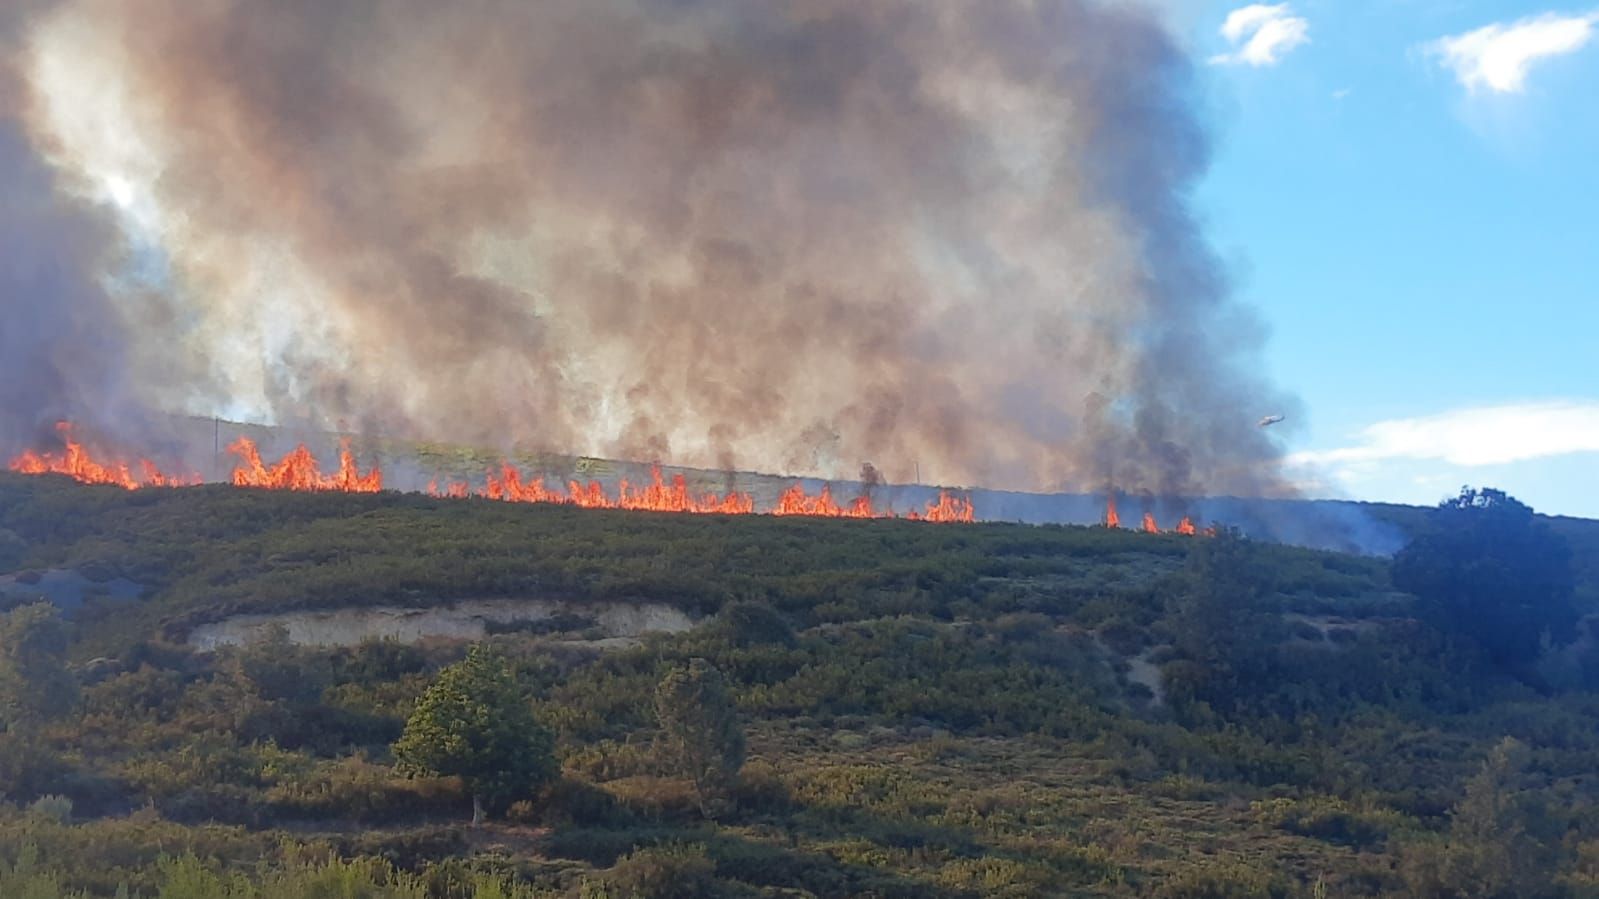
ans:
(204, 449)
(931, 710)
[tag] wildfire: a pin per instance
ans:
(509, 487)
(660, 496)
(1149, 525)
(656, 496)
(299, 471)
(947, 508)
(454, 490)
(795, 501)
(77, 463)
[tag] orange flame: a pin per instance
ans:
(1148, 524)
(299, 471)
(453, 490)
(949, 508)
(795, 501)
(661, 496)
(509, 487)
(78, 464)
(657, 496)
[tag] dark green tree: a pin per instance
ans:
(13, 550)
(1489, 570)
(277, 670)
(476, 723)
(700, 730)
(1490, 851)
(1223, 621)
(35, 684)
(754, 624)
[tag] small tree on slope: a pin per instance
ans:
(476, 723)
(35, 684)
(700, 730)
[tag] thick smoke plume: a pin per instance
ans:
(60, 344)
(781, 235)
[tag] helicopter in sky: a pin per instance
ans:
(1270, 420)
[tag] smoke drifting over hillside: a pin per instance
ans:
(782, 236)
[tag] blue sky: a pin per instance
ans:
(1408, 193)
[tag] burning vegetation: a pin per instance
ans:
(299, 470)
(76, 462)
(1149, 524)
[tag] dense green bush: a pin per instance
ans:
(753, 624)
(357, 790)
(670, 871)
(1226, 881)
(1330, 819)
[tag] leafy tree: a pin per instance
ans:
(1491, 571)
(701, 730)
(29, 767)
(754, 624)
(35, 684)
(1222, 620)
(277, 670)
(13, 550)
(475, 722)
(1490, 851)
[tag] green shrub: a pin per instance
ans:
(26, 879)
(656, 798)
(760, 788)
(13, 549)
(670, 871)
(357, 790)
(996, 877)
(607, 760)
(56, 809)
(30, 768)
(1125, 636)
(1224, 881)
(602, 847)
(1329, 819)
(569, 802)
(754, 624)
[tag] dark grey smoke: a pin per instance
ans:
(952, 236)
(60, 338)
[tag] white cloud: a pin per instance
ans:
(1498, 56)
(1491, 435)
(1261, 35)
